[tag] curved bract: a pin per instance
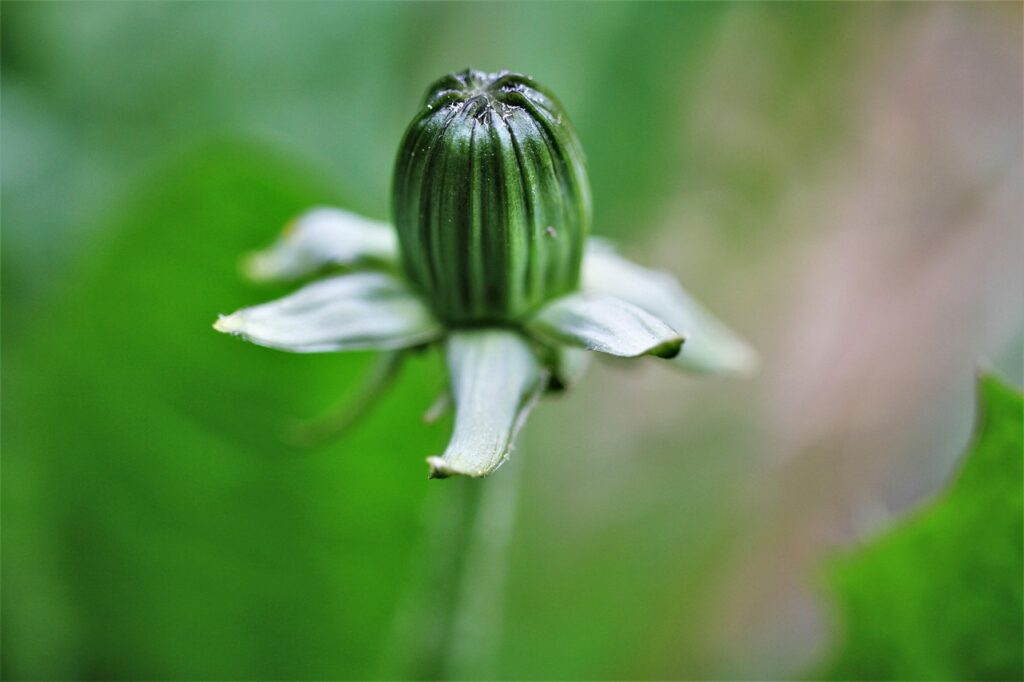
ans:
(491, 198)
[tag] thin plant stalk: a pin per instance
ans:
(343, 417)
(450, 625)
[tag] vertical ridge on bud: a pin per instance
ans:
(491, 198)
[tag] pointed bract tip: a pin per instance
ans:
(442, 468)
(228, 324)
(438, 468)
(669, 349)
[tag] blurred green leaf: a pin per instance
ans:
(156, 526)
(940, 597)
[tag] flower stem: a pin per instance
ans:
(451, 625)
(476, 627)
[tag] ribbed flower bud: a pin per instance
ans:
(491, 198)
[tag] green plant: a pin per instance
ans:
(492, 260)
(939, 597)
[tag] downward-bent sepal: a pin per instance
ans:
(495, 381)
(360, 311)
(711, 347)
(323, 237)
(605, 324)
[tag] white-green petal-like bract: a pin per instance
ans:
(495, 380)
(605, 324)
(358, 311)
(710, 348)
(322, 237)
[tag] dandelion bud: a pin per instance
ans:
(491, 199)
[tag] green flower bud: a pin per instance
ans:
(491, 198)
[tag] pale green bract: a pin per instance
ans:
(711, 347)
(323, 236)
(360, 311)
(495, 380)
(496, 374)
(605, 324)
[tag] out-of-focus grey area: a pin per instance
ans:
(841, 183)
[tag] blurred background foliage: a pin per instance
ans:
(840, 182)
